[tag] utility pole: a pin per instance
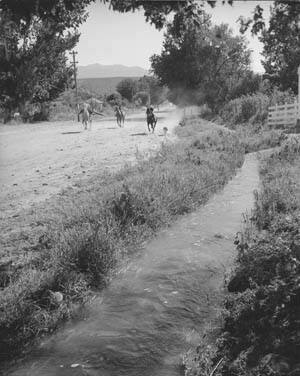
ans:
(298, 102)
(74, 62)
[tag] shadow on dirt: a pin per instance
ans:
(141, 119)
(71, 132)
(136, 120)
(139, 134)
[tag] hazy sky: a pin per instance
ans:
(109, 37)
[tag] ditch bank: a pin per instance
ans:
(158, 305)
(259, 331)
(87, 234)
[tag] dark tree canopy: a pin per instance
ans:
(63, 13)
(34, 38)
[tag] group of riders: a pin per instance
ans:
(86, 113)
(151, 118)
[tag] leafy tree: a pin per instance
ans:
(34, 36)
(282, 45)
(281, 40)
(127, 88)
(200, 63)
(248, 84)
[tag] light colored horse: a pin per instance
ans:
(90, 107)
(86, 116)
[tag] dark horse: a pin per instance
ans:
(151, 119)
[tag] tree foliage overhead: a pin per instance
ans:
(200, 62)
(34, 36)
(156, 12)
(63, 13)
(281, 40)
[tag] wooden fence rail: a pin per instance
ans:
(282, 116)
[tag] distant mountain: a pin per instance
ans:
(99, 71)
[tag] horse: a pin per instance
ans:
(87, 110)
(86, 116)
(151, 120)
(120, 117)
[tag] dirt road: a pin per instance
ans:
(39, 160)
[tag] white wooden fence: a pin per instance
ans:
(283, 116)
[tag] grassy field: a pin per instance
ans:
(88, 234)
(259, 333)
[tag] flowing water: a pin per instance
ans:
(152, 311)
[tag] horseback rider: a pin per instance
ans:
(149, 111)
(151, 118)
(86, 112)
(86, 107)
(119, 114)
(118, 108)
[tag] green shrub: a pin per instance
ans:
(253, 108)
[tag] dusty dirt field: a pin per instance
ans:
(37, 161)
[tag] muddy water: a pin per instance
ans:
(152, 311)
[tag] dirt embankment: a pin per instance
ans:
(38, 161)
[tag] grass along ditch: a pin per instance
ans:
(254, 136)
(259, 334)
(87, 234)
